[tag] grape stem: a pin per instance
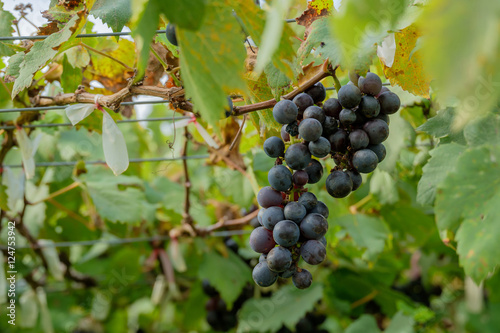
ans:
(187, 218)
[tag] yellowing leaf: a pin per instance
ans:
(407, 70)
(319, 5)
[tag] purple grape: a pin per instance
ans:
(371, 84)
(294, 211)
(268, 197)
(310, 129)
(358, 139)
(369, 107)
(338, 141)
(261, 240)
(313, 226)
(321, 208)
(317, 92)
(308, 200)
(285, 112)
(280, 178)
(338, 184)
(284, 134)
(356, 178)
(303, 101)
(272, 216)
(314, 171)
(297, 156)
(300, 177)
(389, 102)
(313, 252)
(332, 108)
(274, 147)
(263, 276)
(349, 96)
(315, 112)
(302, 279)
(365, 160)
(377, 130)
(286, 233)
(347, 117)
(379, 150)
(320, 148)
(279, 259)
(330, 126)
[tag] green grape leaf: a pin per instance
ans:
(213, 67)
(71, 77)
(471, 194)
(114, 203)
(401, 323)
(62, 12)
(363, 324)
(285, 307)
(228, 285)
(12, 71)
(115, 13)
(259, 92)
(40, 53)
(483, 130)
(186, 14)
(366, 231)
(78, 56)
(441, 126)
(278, 82)
(442, 162)
(6, 29)
(4, 198)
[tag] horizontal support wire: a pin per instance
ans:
(132, 160)
(118, 122)
(119, 241)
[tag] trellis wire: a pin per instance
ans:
(119, 241)
(132, 160)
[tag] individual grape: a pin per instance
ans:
(383, 90)
(279, 259)
(315, 112)
(261, 240)
(229, 109)
(322, 240)
(329, 126)
(320, 148)
(384, 117)
(208, 289)
(274, 147)
(365, 160)
(313, 226)
(349, 96)
(171, 33)
(304, 325)
(285, 112)
(263, 257)
(377, 130)
(300, 177)
(339, 184)
(317, 92)
(338, 141)
(302, 279)
(369, 107)
(389, 102)
(297, 156)
(332, 108)
(263, 276)
(308, 200)
(232, 245)
(286, 233)
(280, 178)
(356, 178)
(354, 77)
(295, 211)
(268, 197)
(347, 117)
(284, 134)
(293, 128)
(321, 208)
(314, 171)
(303, 101)
(358, 139)
(371, 84)
(288, 273)
(259, 215)
(272, 216)
(360, 119)
(254, 223)
(310, 129)
(379, 150)
(313, 252)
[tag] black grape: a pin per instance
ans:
(322, 240)
(356, 178)
(263, 257)
(294, 211)
(284, 134)
(365, 160)
(300, 177)
(308, 200)
(261, 240)
(272, 216)
(371, 84)
(208, 289)
(297, 156)
(232, 245)
(280, 178)
(288, 273)
(268, 197)
(389, 102)
(384, 117)
(314, 171)
(377, 130)
(315, 112)
(293, 128)
(379, 150)
(338, 184)
(321, 208)
(332, 108)
(347, 117)
(330, 126)
(313, 252)
(369, 106)
(383, 90)
(274, 147)
(279, 259)
(317, 92)
(349, 96)
(310, 129)
(303, 101)
(286, 233)
(321, 147)
(263, 276)
(313, 226)
(338, 141)
(171, 33)
(259, 215)
(358, 139)
(302, 279)
(285, 112)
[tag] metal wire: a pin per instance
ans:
(132, 160)
(62, 107)
(119, 241)
(118, 122)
